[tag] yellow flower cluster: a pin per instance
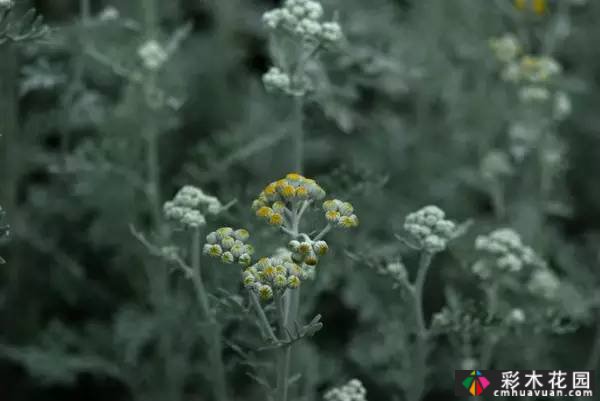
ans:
(340, 213)
(539, 7)
(283, 194)
(274, 275)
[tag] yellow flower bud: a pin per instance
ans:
(276, 219)
(265, 212)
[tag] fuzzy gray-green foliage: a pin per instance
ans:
(410, 110)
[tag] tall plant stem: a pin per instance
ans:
(216, 346)
(298, 134)
(420, 355)
(283, 359)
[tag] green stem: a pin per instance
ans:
(283, 359)
(262, 317)
(420, 356)
(218, 367)
(490, 340)
(299, 135)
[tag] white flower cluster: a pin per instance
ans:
(188, 205)
(506, 48)
(303, 19)
(505, 247)
(533, 73)
(229, 245)
(109, 13)
(153, 55)
(496, 164)
(543, 283)
(351, 391)
(397, 270)
(274, 275)
(430, 228)
(516, 317)
(277, 80)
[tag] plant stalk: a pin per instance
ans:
(420, 355)
(283, 359)
(216, 357)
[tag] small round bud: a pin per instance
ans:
(293, 282)
(245, 259)
(265, 292)
(227, 257)
(320, 247)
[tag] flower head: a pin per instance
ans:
(153, 55)
(430, 228)
(283, 195)
(229, 245)
(351, 391)
(505, 249)
(189, 206)
(302, 18)
(340, 213)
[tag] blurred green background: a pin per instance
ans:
(403, 115)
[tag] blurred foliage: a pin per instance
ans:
(405, 114)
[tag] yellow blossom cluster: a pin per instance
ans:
(340, 213)
(284, 194)
(539, 7)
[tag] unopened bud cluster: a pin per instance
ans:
(534, 74)
(505, 248)
(229, 245)
(544, 283)
(282, 196)
(189, 205)
(153, 55)
(430, 228)
(277, 80)
(307, 252)
(340, 213)
(273, 275)
(351, 391)
(303, 18)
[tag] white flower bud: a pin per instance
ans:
(153, 55)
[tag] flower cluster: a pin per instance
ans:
(229, 245)
(307, 252)
(277, 80)
(340, 213)
(188, 206)
(430, 228)
(506, 249)
(539, 7)
(534, 73)
(506, 48)
(285, 195)
(543, 283)
(6, 4)
(274, 275)
(351, 391)
(153, 55)
(302, 18)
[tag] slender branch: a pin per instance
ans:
(262, 317)
(283, 360)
